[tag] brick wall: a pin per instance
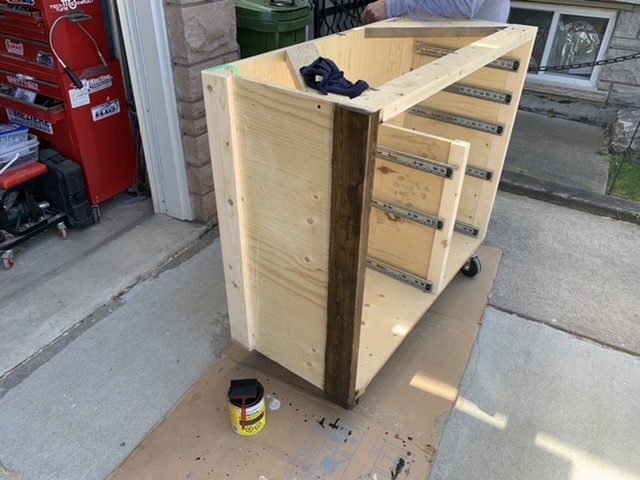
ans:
(202, 34)
(622, 80)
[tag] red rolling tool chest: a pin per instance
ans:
(55, 79)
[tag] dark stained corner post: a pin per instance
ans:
(354, 142)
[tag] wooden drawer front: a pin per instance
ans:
(401, 243)
(416, 192)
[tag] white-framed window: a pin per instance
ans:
(566, 35)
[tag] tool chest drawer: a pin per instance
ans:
(21, 17)
(10, 81)
(26, 53)
(342, 226)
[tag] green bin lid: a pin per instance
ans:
(272, 15)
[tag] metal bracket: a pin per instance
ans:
(480, 173)
(405, 277)
(459, 120)
(422, 219)
(466, 229)
(412, 161)
(503, 63)
(473, 91)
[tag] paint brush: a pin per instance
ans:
(241, 391)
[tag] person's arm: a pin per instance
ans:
(381, 9)
(375, 11)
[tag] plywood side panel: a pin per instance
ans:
(483, 146)
(514, 83)
(471, 189)
(285, 150)
(481, 141)
(270, 67)
(467, 106)
(488, 151)
(228, 180)
(376, 61)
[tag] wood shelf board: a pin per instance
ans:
(462, 28)
(392, 308)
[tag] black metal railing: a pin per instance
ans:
(334, 16)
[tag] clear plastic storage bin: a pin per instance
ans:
(12, 134)
(27, 153)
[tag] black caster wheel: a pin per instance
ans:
(62, 230)
(472, 268)
(7, 259)
(95, 212)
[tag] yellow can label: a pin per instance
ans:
(255, 419)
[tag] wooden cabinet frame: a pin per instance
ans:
(295, 173)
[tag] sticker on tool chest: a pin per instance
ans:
(29, 121)
(66, 5)
(79, 97)
(105, 110)
(22, 2)
(14, 48)
(23, 81)
(94, 85)
(43, 58)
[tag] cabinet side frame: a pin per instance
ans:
(227, 178)
(354, 141)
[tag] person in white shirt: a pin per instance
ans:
(492, 10)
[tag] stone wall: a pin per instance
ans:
(622, 80)
(202, 34)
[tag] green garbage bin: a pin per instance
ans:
(265, 25)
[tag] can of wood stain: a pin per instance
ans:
(247, 407)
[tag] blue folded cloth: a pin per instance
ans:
(324, 75)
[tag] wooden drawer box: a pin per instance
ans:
(342, 220)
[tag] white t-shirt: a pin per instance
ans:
(493, 10)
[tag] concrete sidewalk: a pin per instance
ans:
(556, 408)
(554, 150)
(78, 408)
(562, 162)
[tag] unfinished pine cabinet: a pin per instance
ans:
(341, 220)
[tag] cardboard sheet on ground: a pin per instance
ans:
(392, 433)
